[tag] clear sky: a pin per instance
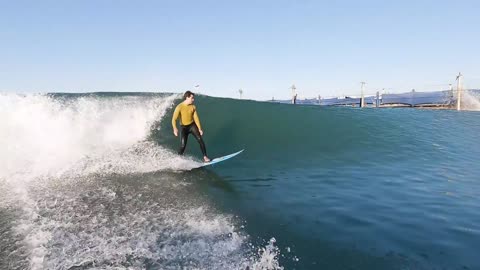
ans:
(263, 47)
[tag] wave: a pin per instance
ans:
(62, 159)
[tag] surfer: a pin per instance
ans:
(189, 122)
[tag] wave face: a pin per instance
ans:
(83, 186)
(349, 187)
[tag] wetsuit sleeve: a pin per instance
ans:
(196, 119)
(175, 117)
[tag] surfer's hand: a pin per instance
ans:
(175, 132)
(201, 132)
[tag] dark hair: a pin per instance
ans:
(188, 94)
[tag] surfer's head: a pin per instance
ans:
(189, 97)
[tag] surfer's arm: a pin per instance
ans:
(197, 120)
(174, 120)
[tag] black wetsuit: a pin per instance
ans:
(192, 128)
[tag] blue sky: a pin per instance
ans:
(323, 47)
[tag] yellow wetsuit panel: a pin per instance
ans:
(188, 114)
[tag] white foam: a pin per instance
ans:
(268, 257)
(164, 232)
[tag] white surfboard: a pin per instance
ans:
(220, 159)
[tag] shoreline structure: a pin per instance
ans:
(458, 99)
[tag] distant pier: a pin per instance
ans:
(443, 99)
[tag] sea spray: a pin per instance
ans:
(471, 101)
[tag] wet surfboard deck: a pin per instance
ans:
(220, 159)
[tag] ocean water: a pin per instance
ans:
(93, 181)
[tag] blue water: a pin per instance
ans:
(336, 187)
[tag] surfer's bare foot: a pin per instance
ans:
(206, 159)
